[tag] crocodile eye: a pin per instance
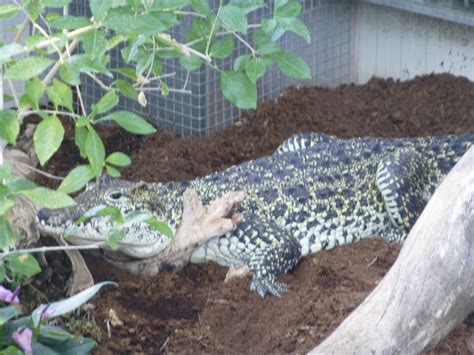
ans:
(115, 195)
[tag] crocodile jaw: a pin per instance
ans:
(140, 239)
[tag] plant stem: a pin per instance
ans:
(212, 29)
(41, 172)
(55, 248)
(98, 81)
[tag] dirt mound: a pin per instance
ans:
(192, 310)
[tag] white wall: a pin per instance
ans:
(7, 38)
(398, 44)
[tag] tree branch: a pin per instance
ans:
(430, 288)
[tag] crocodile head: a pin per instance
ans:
(81, 224)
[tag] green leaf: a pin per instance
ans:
(169, 4)
(255, 68)
(191, 63)
(3, 272)
(297, 26)
(16, 184)
(269, 48)
(80, 136)
(48, 198)
(94, 44)
(202, 7)
(162, 227)
(67, 305)
(114, 172)
(292, 65)
(74, 345)
(95, 152)
(268, 25)
(131, 122)
(100, 8)
(76, 179)
(118, 159)
(223, 48)
(114, 213)
(60, 94)
(239, 90)
(8, 11)
(291, 9)
(143, 63)
(35, 89)
(9, 126)
(8, 312)
(248, 5)
(234, 18)
(33, 40)
(278, 4)
(107, 102)
(82, 63)
(5, 171)
(115, 41)
(12, 350)
(126, 89)
(83, 121)
(23, 264)
(6, 205)
(56, 3)
(240, 62)
(9, 50)
(51, 335)
(70, 22)
(115, 236)
(27, 68)
(127, 72)
(124, 22)
(48, 137)
(70, 74)
(6, 234)
(39, 348)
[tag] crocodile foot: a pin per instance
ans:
(264, 286)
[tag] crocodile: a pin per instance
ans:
(314, 193)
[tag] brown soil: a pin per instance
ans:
(193, 310)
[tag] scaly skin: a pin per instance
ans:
(314, 193)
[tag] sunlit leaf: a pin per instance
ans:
(23, 264)
(238, 89)
(48, 198)
(292, 65)
(27, 68)
(118, 159)
(9, 126)
(131, 122)
(48, 137)
(95, 152)
(76, 179)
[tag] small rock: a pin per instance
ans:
(114, 319)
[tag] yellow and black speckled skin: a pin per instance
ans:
(314, 193)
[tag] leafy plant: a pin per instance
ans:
(53, 67)
(62, 49)
(32, 334)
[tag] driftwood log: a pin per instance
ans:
(430, 288)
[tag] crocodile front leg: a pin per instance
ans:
(267, 249)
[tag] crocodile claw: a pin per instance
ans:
(264, 286)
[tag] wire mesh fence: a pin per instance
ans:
(205, 109)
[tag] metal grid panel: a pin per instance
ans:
(205, 110)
